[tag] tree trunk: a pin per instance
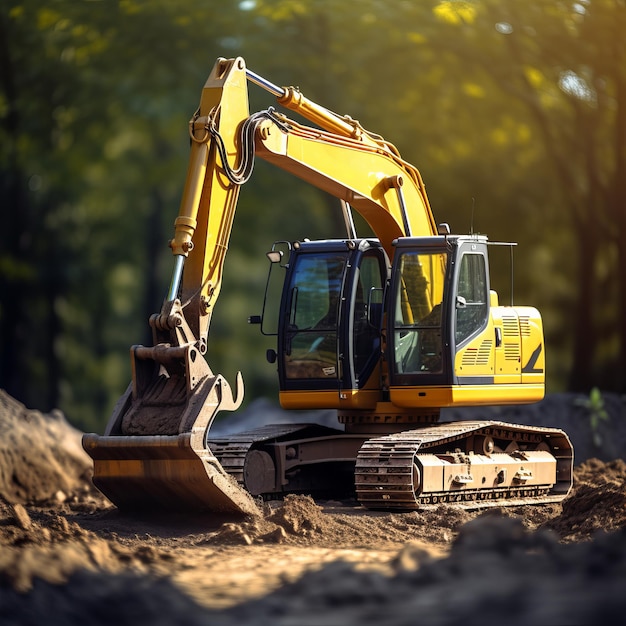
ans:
(585, 330)
(12, 240)
(618, 206)
(155, 242)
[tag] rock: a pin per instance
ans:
(21, 517)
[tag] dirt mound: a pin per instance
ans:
(598, 501)
(299, 520)
(296, 519)
(49, 547)
(64, 548)
(299, 516)
(41, 457)
(496, 571)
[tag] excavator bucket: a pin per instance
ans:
(153, 453)
(163, 472)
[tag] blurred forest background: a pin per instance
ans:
(514, 111)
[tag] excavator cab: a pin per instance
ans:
(450, 343)
(428, 328)
(329, 342)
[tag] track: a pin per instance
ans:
(395, 472)
(392, 471)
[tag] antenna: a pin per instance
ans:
(472, 219)
(511, 246)
(512, 273)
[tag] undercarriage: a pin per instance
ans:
(471, 464)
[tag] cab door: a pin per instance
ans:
(329, 342)
(473, 328)
(311, 329)
(418, 343)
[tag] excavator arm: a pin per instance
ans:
(154, 450)
(340, 158)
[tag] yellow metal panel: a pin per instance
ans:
(533, 353)
(357, 173)
(508, 379)
(330, 399)
(410, 397)
(465, 395)
(508, 353)
(477, 357)
(309, 399)
(359, 399)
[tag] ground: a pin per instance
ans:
(67, 556)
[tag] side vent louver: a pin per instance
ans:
(524, 324)
(511, 332)
(478, 356)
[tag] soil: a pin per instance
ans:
(68, 556)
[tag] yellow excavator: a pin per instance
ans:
(386, 329)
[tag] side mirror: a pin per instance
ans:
(461, 302)
(275, 256)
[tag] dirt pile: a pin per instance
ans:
(48, 547)
(295, 518)
(496, 572)
(66, 553)
(41, 457)
(598, 501)
(597, 504)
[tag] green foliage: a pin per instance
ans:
(596, 411)
(511, 106)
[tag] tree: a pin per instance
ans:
(564, 62)
(92, 158)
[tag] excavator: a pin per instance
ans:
(386, 329)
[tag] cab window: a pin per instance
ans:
(471, 297)
(418, 313)
(314, 317)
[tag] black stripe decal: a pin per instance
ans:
(476, 380)
(529, 368)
